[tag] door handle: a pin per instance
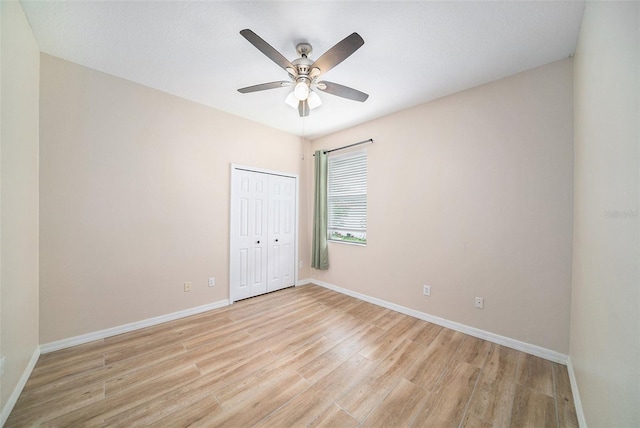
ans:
(257, 242)
(276, 240)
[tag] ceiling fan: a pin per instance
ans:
(304, 73)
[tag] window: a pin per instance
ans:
(347, 197)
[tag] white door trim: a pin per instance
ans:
(234, 168)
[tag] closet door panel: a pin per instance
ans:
(259, 243)
(281, 232)
(248, 234)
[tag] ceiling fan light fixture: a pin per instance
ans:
(301, 90)
(292, 101)
(314, 100)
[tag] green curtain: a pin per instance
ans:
(319, 249)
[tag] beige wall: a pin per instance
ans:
(605, 319)
(134, 198)
(471, 194)
(19, 197)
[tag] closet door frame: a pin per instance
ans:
(233, 216)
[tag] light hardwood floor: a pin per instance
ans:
(303, 356)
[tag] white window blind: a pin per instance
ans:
(347, 197)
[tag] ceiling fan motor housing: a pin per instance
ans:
(303, 65)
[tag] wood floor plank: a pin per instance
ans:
(327, 362)
(303, 356)
(173, 400)
(120, 383)
(366, 312)
(316, 327)
(35, 396)
(200, 413)
(227, 371)
(313, 310)
(209, 337)
(471, 421)
(532, 408)
(216, 339)
(564, 397)
(299, 357)
(367, 394)
(333, 417)
(210, 359)
(134, 337)
(24, 414)
(96, 413)
(501, 362)
(392, 338)
(536, 373)
(273, 304)
(36, 399)
(431, 365)
(144, 360)
(64, 372)
(388, 319)
(426, 333)
(492, 399)
(92, 351)
(245, 390)
(445, 408)
(344, 326)
(562, 382)
(473, 351)
(566, 413)
(264, 396)
(162, 342)
(262, 364)
(313, 402)
(66, 355)
(207, 320)
(399, 408)
(250, 321)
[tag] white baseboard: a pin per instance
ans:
(303, 282)
(582, 422)
(126, 328)
(471, 331)
(13, 398)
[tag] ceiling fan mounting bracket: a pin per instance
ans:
(304, 49)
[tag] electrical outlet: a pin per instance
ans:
(480, 302)
(426, 290)
(300, 264)
(212, 282)
(187, 286)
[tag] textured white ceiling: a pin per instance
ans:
(414, 51)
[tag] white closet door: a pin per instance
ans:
(281, 263)
(249, 240)
(262, 233)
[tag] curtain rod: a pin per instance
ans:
(370, 140)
